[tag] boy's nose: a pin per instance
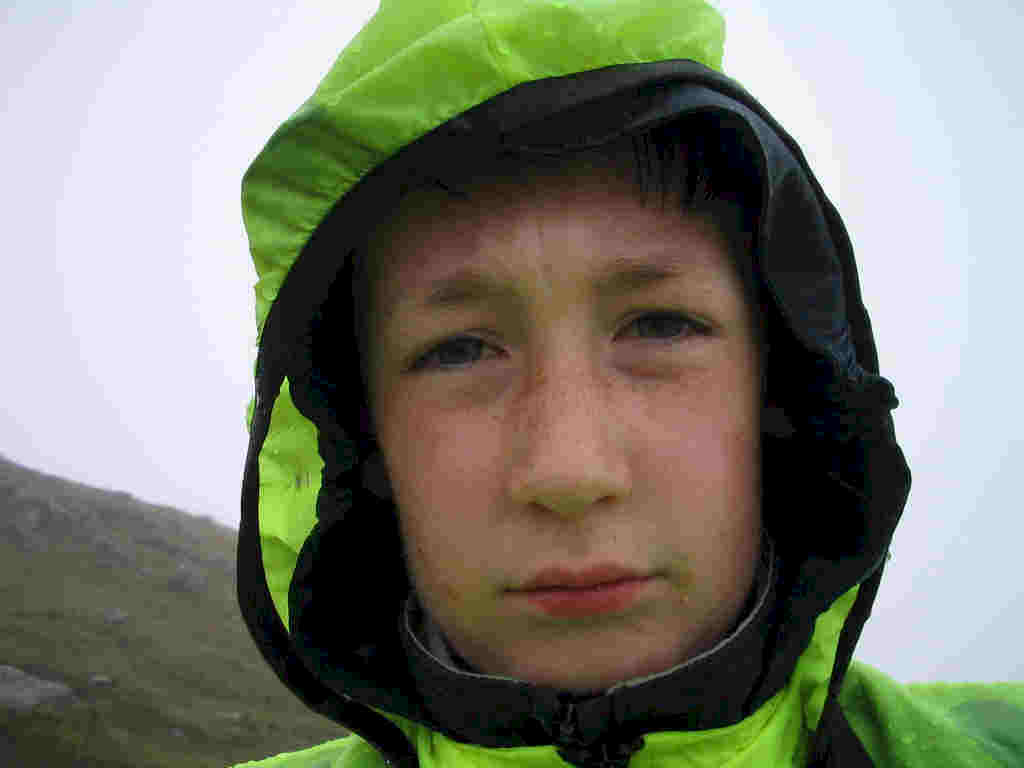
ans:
(565, 449)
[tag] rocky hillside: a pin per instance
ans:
(122, 643)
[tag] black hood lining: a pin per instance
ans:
(844, 444)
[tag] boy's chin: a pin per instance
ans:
(587, 674)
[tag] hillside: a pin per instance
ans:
(132, 607)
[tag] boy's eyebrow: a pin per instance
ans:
(469, 285)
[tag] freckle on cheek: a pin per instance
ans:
(681, 576)
(446, 589)
(450, 593)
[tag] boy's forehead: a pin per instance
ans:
(591, 210)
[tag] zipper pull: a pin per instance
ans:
(606, 753)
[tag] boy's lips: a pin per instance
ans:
(601, 589)
(562, 577)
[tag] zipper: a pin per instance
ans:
(606, 753)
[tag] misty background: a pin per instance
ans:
(127, 330)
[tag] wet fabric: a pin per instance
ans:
(427, 90)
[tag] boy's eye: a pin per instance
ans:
(460, 351)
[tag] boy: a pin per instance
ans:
(570, 335)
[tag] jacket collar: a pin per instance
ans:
(775, 732)
(502, 712)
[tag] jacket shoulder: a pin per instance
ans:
(939, 725)
(348, 752)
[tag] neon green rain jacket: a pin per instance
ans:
(431, 88)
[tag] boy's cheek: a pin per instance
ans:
(446, 581)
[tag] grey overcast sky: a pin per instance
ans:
(127, 322)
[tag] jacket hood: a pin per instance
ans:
(543, 76)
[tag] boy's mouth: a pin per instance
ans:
(561, 577)
(602, 589)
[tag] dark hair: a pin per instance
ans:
(700, 161)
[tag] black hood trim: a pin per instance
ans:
(823, 369)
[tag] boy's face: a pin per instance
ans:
(580, 431)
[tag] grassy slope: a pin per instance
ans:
(182, 660)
